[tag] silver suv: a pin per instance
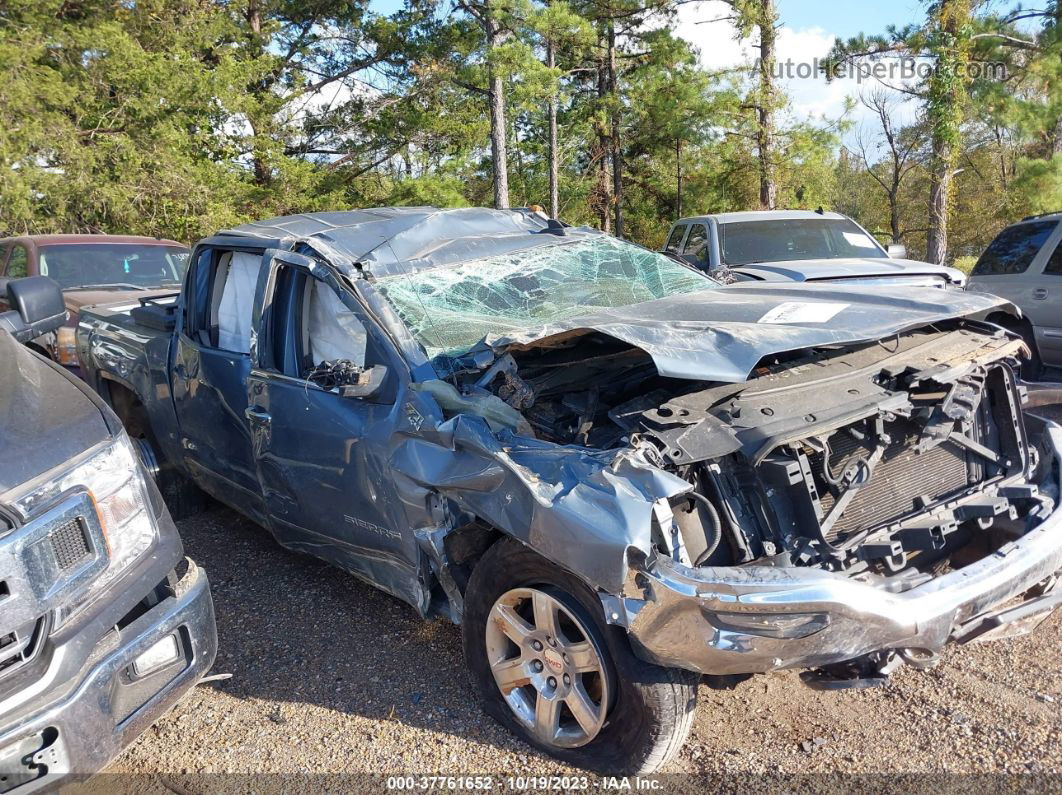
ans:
(1024, 265)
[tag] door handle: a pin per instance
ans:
(1040, 293)
(255, 414)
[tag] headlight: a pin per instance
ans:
(66, 346)
(113, 480)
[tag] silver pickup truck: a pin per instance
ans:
(798, 246)
(104, 624)
(614, 473)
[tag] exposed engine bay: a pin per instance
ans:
(892, 459)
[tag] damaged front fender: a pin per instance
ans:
(581, 508)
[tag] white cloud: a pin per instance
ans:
(810, 95)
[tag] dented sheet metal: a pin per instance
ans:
(717, 335)
(581, 508)
(385, 241)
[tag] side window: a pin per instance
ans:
(223, 296)
(18, 263)
(675, 239)
(695, 242)
(1014, 249)
(1054, 265)
(333, 332)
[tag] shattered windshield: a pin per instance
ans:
(451, 309)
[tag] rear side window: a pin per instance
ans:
(1054, 265)
(675, 239)
(1014, 249)
(695, 242)
(223, 289)
(16, 266)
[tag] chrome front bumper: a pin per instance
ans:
(757, 618)
(78, 735)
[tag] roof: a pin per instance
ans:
(56, 240)
(387, 241)
(763, 215)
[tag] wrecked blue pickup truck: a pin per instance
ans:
(614, 473)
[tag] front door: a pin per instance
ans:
(322, 458)
(209, 376)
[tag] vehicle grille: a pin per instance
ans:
(69, 544)
(899, 480)
(18, 647)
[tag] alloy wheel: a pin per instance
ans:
(547, 667)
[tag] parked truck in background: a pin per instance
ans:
(798, 246)
(104, 624)
(91, 269)
(614, 473)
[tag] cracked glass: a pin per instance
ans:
(451, 309)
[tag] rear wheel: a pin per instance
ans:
(549, 668)
(182, 497)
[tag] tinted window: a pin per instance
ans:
(16, 266)
(790, 239)
(1054, 265)
(113, 264)
(695, 242)
(1014, 248)
(675, 240)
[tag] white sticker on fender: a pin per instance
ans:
(803, 312)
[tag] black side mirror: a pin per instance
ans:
(369, 382)
(36, 307)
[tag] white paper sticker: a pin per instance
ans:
(858, 239)
(803, 312)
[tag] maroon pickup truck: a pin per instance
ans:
(91, 269)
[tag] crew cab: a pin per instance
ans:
(799, 246)
(91, 269)
(104, 624)
(615, 473)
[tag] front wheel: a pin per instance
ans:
(549, 668)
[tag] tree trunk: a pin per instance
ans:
(947, 92)
(554, 159)
(765, 106)
(939, 191)
(678, 178)
(617, 153)
(263, 175)
(498, 129)
(603, 187)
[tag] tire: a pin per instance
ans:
(644, 711)
(182, 497)
(1033, 367)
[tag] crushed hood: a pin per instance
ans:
(721, 335)
(848, 268)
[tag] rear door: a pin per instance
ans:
(1045, 310)
(1012, 268)
(211, 362)
(322, 458)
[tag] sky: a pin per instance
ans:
(809, 28)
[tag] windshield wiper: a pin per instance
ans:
(107, 285)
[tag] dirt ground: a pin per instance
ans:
(329, 675)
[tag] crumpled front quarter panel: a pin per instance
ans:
(581, 508)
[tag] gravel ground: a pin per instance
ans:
(329, 674)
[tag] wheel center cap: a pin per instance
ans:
(553, 660)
